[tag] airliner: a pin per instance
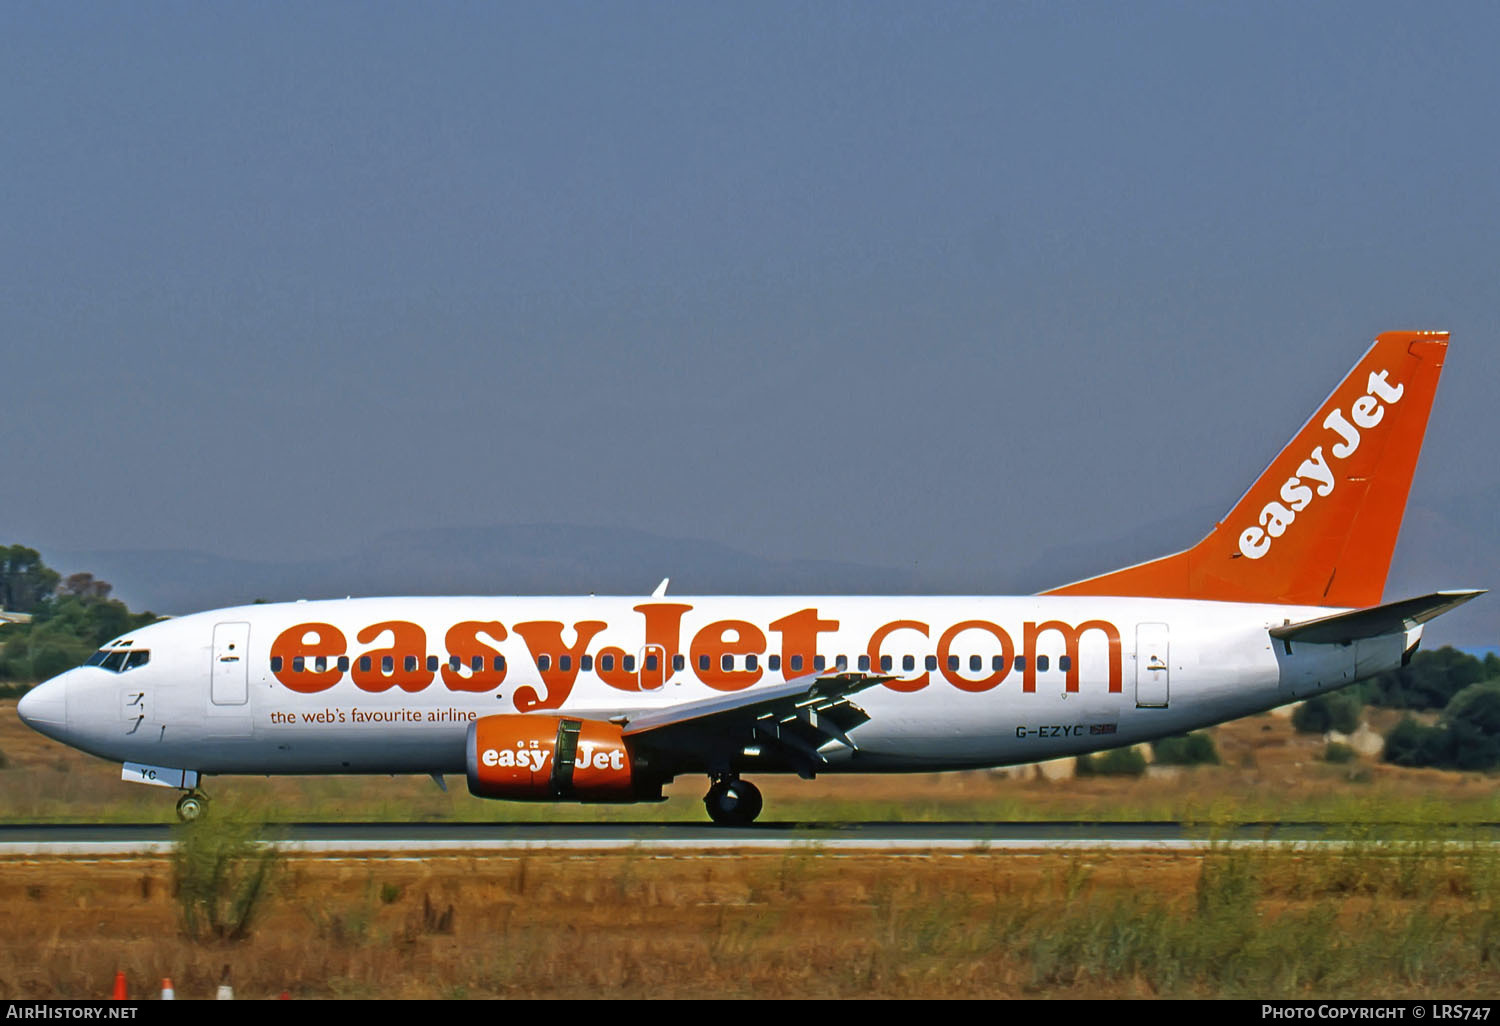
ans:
(606, 699)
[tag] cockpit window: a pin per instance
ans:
(119, 660)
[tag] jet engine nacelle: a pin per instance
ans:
(550, 757)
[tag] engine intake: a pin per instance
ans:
(546, 758)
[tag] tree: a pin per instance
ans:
(1411, 744)
(85, 586)
(25, 581)
(1185, 750)
(1467, 737)
(1473, 722)
(1429, 681)
(1322, 713)
(70, 618)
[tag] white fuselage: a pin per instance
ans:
(390, 685)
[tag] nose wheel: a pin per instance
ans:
(732, 802)
(191, 806)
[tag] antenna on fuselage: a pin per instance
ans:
(661, 589)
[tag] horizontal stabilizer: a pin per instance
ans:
(1391, 618)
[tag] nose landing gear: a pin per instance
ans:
(732, 802)
(191, 806)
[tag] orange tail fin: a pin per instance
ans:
(1319, 525)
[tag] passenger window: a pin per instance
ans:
(544, 662)
(773, 662)
(630, 664)
(953, 662)
(726, 662)
(976, 663)
(819, 662)
(499, 664)
(606, 663)
(298, 664)
(410, 662)
(276, 664)
(1020, 664)
(1064, 663)
(1041, 664)
(455, 663)
(432, 664)
(321, 664)
(586, 663)
(364, 664)
(678, 662)
(343, 664)
(997, 663)
(387, 664)
(751, 662)
(796, 663)
(651, 663)
(908, 662)
(564, 663)
(703, 662)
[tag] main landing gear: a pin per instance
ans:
(191, 806)
(731, 801)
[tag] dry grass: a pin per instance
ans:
(1363, 923)
(1373, 921)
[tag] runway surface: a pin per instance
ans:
(19, 840)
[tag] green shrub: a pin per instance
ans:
(1467, 737)
(1338, 753)
(1473, 722)
(1318, 715)
(1117, 762)
(1429, 681)
(221, 875)
(1186, 750)
(1411, 744)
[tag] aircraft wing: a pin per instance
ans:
(1390, 618)
(798, 718)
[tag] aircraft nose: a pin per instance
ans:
(45, 706)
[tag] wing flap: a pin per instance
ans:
(801, 717)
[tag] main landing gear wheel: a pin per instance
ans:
(732, 802)
(191, 806)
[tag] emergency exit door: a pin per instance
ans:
(231, 672)
(1153, 665)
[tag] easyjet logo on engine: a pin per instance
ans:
(727, 655)
(527, 758)
(1315, 476)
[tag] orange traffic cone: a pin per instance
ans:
(167, 993)
(119, 994)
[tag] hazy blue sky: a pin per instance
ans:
(893, 283)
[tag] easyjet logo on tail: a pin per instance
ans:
(1315, 476)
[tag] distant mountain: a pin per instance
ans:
(1450, 546)
(531, 559)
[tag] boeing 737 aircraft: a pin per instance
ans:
(606, 699)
